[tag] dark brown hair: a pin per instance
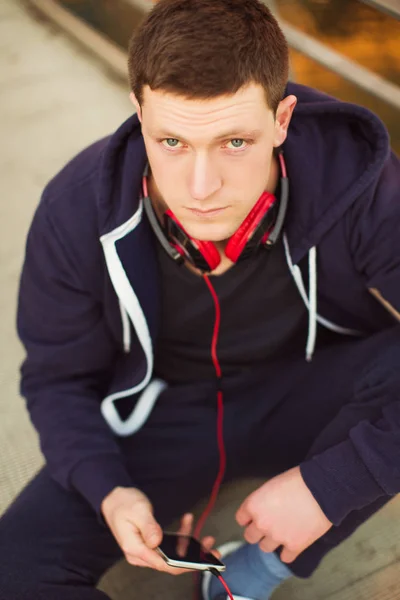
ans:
(201, 49)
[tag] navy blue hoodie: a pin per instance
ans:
(89, 296)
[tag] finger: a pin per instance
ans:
(208, 543)
(137, 562)
(252, 534)
(186, 524)
(288, 556)
(150, 530)
(132, 545)
(243, 517)
(268, 544)
(184, 531)
(182, 545)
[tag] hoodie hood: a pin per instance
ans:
(121, 168)
(334, 151)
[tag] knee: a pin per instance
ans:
(20, 557)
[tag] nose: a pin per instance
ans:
(204, 178)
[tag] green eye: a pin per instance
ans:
(171, 142)
(237, 143)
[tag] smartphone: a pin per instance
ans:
(186, 552)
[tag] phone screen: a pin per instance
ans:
(183, 548)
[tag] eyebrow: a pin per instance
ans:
(234, 134)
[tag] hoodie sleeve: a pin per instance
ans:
(69, 354)
(366, 466)
(375, 234)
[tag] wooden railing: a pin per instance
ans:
(321, 53)
(338, 63)
(392, 7)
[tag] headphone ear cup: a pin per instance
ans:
(238, 241)
(209, 252)
(197, 252)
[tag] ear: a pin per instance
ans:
(283, 116)
(136, 104)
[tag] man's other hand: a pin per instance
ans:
(283, 512)
(129, 514)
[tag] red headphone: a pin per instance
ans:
(260, 228)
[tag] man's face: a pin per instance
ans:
(212, 159)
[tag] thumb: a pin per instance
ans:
(288, 556)
(154, 536)
(149, 528)
(243, 516)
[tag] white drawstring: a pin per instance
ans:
(312, 303)
(144, 405)
(311, 300)
(298, 279)
(126, 328)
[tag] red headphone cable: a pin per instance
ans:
(220, 434)
(220, 414)
(218, 575)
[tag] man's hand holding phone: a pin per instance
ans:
(129, 514)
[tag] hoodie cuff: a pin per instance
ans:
(339, 481)
(96, 477)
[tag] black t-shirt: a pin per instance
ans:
(262, 317)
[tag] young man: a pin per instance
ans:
(127, 370)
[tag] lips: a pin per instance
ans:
(207, 213)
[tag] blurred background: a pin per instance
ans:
(332, 43)
(63, 85)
